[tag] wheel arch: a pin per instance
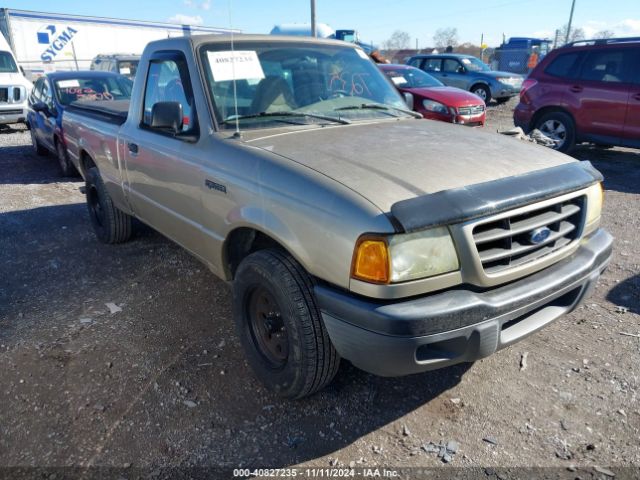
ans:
(242, 242)
(550, 109)
(86, 162)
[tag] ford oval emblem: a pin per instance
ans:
(539, 235)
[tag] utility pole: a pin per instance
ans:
(573, 6)
(313, 18)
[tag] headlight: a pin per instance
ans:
(404, 257)
(433, 106)
(595, 198)
(512, 81)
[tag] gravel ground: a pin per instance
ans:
(160, 381)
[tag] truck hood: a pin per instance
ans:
(15, 79)
(391, 161)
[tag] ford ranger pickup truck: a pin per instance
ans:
(347, 227)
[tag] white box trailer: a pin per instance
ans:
(45, 42)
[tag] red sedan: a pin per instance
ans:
(433, 99)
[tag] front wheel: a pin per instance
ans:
(560, 128)
(483, 92)
(110, 224)
(280, 326)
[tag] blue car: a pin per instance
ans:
(469, 73)
(53, 92)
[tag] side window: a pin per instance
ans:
(432, 65)
(168, 81)
(563, 66)
(414, 62)
(47, 95)
(451, 65)
(610, 66)
(36, 93)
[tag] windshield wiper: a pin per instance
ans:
(289, 114)
(379, 106)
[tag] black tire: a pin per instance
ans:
(560, 127)
(39, 149)
(307, 362)
(482, 91)
(66, 167)
(503, 100)
(110, 224)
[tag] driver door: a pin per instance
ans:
(165, 178)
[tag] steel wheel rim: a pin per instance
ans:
(94, 205)
(267, 327)
(555, 130)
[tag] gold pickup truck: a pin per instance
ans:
(347, 227)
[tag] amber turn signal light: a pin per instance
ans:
(371, 261)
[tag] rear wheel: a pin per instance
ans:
(560, 128)
(482, 91)
(66, 167)
(110, 224)
(39, 149)
(280, 326)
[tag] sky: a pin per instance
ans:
(375, 20)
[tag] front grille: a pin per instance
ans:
(4, 95)
(471, 110)
(507, 243)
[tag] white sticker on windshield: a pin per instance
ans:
(398, 80)
(125, 70)
(362, 53)
(235, 65)
(68, 84)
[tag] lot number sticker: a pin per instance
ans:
(68, 84)
(235, 65)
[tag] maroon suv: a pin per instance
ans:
(587, 91)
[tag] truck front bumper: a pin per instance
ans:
(458, 325)
(12, 114)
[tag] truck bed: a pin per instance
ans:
(108, 111)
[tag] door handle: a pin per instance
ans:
(133, 148)
(576, 89)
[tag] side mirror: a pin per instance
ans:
(40, 107)
(167, 116)
(408, 98)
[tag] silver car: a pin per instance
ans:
(469, 73)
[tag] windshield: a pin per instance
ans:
(474, 65)
(107, 88)
(128, 68)
(7, 63)
(412, 78)
(312, 83)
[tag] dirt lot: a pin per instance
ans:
(163, 383)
